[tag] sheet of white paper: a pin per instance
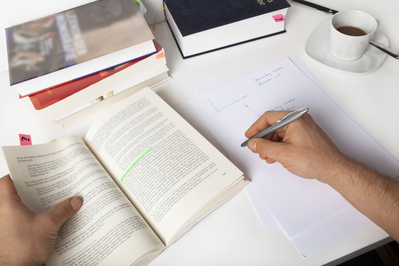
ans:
(306, 71)
(265, 216)
(302, 207)
(314, 239)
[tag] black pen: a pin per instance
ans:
(320, 8)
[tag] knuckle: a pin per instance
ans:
(64, 210)
(261, 147)
(284, 156)
(57, 215)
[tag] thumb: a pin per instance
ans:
(268, 148)
(63, 211)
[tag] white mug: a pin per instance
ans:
(347, 47)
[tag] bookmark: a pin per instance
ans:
(25, 139)
(278, 18)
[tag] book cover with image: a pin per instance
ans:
(74, 36)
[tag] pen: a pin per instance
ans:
(320, 8)
(289, 118)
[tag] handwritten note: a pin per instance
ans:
(246, 99)
(265, 78)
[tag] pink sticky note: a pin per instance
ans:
(278, 18)
(25, 139)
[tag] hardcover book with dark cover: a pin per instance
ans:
(203, 26)
(196, 16)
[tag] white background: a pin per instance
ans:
(233, 235)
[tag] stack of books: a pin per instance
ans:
(70, 64)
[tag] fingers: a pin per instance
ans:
(268, 150)
(266, 120)
(62, 212)
(270, 161)
(7, 186)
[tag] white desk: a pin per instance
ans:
(233, 235)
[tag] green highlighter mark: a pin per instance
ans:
(135, 162)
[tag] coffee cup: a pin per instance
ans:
(350, 33)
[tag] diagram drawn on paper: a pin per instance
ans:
(287, 105)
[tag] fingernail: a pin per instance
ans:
(252, 146)
(75, 203)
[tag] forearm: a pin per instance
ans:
(305, 150)
(372, 193)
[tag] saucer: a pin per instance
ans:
(318, 47)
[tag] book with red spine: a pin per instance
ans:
(57, 93)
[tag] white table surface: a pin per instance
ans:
(233, 235)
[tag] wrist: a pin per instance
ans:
(337, 171)
(352, 178)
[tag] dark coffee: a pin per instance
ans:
(351, 31)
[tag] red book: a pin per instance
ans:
(54, 94)
(57, 93)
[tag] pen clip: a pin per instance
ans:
(291, 113)
(329, 12)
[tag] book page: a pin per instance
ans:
(106, 228)
(167, 168)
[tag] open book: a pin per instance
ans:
(145, 177)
